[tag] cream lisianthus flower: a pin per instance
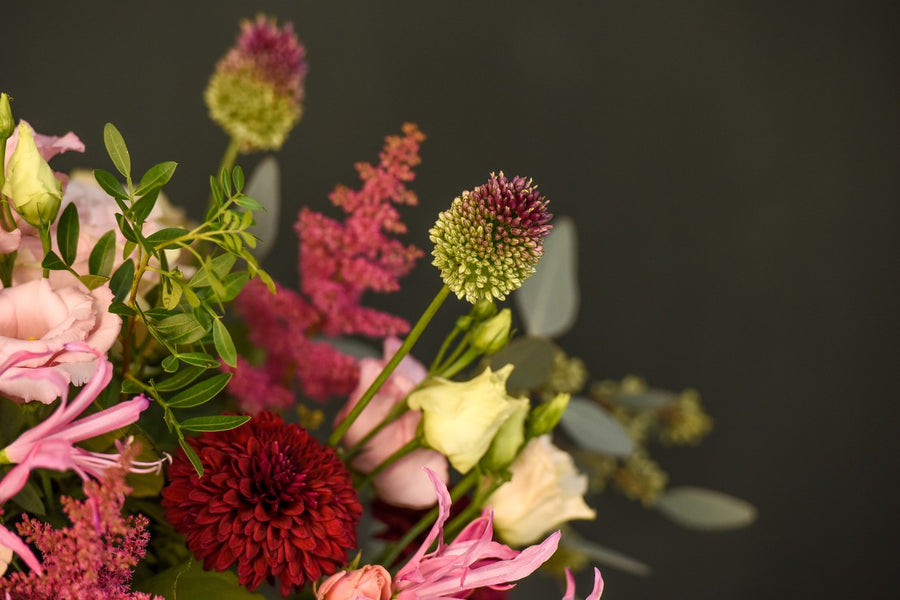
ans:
(544, 492)
(460, 419)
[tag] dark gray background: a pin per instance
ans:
(732, 169)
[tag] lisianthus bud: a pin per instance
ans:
(371, 582)
(7, 124)
(546, 416)
(35, 191)
(255, 92)
(489, 241)
(483, 309)
(490, 336)
(460, 419)
(509, 438)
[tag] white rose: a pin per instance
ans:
(544, 492)
(461, 418)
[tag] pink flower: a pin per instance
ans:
(40, 321)
(471, 561)
(403, 482)
(372, 582)
(51, 443)
(570, 586)
(48, 145)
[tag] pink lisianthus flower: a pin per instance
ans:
(40, 321)
(570, 586)
(403, 483)
(471, 561)
(371, 582)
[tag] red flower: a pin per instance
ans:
(272, 499)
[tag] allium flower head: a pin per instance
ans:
(256, 89)
(272, 499)
(489, 241)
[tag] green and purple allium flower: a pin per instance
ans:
(490, 240)
(256, 89)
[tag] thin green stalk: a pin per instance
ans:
(404, 349)
(231, 154)
(447, 341)
(45, 244)
(461, 363)
(459, 490)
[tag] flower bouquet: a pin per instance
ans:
(177, 424)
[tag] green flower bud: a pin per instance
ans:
(483, 309)
(505, 446)
(489, 337)
(7, 123)
(544, 417)
(35, 191)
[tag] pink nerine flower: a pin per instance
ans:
(570, 586)
(471, 561)
(51, 443)
(41, 321)
(402, 483)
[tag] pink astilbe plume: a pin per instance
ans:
(95, 556)
(339, 262)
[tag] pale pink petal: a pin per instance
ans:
(48, 145)
(29, 384)
(404, 483)
(10, 240)
(12, 541)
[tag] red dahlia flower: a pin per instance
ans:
(272, 499)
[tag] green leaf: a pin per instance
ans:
(191, 581)
(30, 499)
(199, 359)
(180, 329)
(234, 283)
(201, 392)
(142, 208)
(158, 176)
(220, 266)
(92, 282)
(168, 234)
(169, 364)
(115, 147)
(67, 230)
(218, 196)
(237, 176)
(53, 262)
(111, 186)
(121, 281)
(214, 423)
(100, 261)
(709, 510)
(192, 456)
(131, 387)
(171, 293)
(184, 376)
(225, 180)
(224, 343)
(248, 203)
(126, 229)
(122, 309)
(128, 249)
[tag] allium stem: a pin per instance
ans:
(459, 490)
(230, 156)
(404, 349)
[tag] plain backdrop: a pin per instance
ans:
(731, 166)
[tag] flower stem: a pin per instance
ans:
(459, 490)
(404, 349)
(462, 362)
(230, 155)
(45, 244)
(410, 446)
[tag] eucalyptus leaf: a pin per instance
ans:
(264, 187)
(67, 230)
(101, 259)
(156, 177)
(593, 429)
(607, 556)
(549, 299)
(214, 423)
(201, 392)
(709, 510)
(115, 147)
(533, 361)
